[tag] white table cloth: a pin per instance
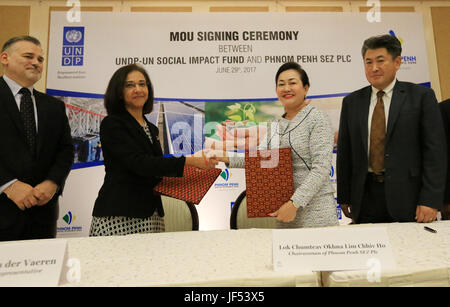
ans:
(198, 258)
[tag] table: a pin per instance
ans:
(199, 258)
(238, 258)
(423, 258)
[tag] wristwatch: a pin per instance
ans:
(295, 205)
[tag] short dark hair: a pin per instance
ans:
(16, 39)
(295, 66)
(114, 99)
(391, 43)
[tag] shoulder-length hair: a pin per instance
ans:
(114, 98)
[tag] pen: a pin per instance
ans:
(429, 229)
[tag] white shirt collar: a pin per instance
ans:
(14, 86)
(387, 90)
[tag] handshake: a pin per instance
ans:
(234, 137)
(231, 138)
(25, 196)
(207, 158)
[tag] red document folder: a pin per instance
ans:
(192, 187)
(269, 180)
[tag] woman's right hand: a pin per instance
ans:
(201, 160)
(217, 155)
(243, 138)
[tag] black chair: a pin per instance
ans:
(179, 215)
(239, 219)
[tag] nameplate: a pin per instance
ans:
(34, 263)
(332, 249)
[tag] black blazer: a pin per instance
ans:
(54, 153)
(445, 111)
(133, 166)
(415, 154)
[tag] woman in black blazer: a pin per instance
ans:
(134, 162)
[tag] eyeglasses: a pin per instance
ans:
(132, 85)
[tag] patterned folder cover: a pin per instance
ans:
(192, 187)
(269, 180)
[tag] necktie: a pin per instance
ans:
(377, 136)
(27, 115)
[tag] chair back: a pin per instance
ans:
(179, 215)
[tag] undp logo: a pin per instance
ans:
(73, 46)
(74, 36)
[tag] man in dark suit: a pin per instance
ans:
(36, 154)
(445, 111)
(391, 159)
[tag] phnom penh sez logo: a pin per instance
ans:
(227, 184)
(225, 174)
(68, 218)
(73, 46)
(406, 59)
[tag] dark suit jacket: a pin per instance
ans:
(415, 161)
(133, 166)
(445, 111)
(54, 153)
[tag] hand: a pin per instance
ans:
(242, 138)
(347, 210)
(21, 194)
(336, 136)
(219, 155)
(445, 212)
(425, 214)
(45, 191)
(286, 213)
(200, 160)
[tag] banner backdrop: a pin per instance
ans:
(201, 66)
